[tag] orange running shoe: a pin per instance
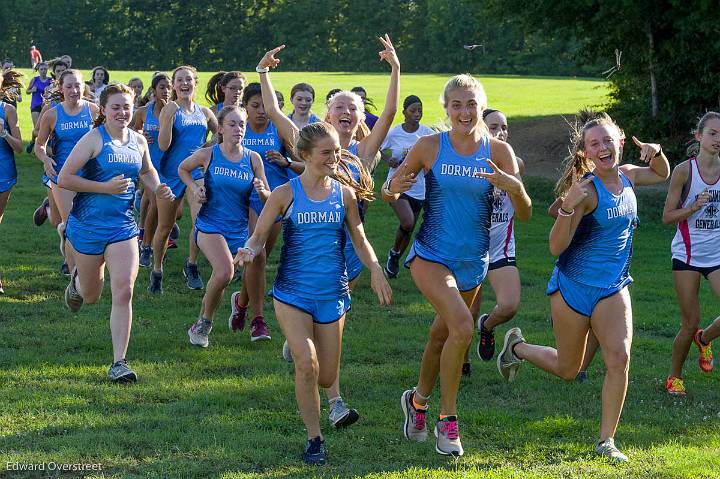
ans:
(705, 360)
(675, 386)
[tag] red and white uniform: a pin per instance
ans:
(502, 228)
(696, 240)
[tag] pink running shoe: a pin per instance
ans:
(236, 322)
(259, 330)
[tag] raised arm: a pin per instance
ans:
(286, 128)
(658, 169)
(363, 248)
(506, 176)
(166, 120)
(577, 201)
(370, 145)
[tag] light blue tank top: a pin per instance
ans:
(312, 263)
(105, 210)
(68, 131)
(600, 251)
(8, 172)
(458, 204)
(260, 143)
(228, 185)
(188, 134)
(151, 126)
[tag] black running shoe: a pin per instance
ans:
(192, 276)
(64, 270)
(29, 148)
(175, 232)
(486, 345)
(315, 454)
(466, 369)
(392, 267)
(156, 278)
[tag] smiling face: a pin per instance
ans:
(232, 126)
(184, 84)
(464, 109)
(118, 110)
(72, 87)
(602, 146)
(497, 125)
(233, 91)
(324, 156)
(345, 112)
(302, 102)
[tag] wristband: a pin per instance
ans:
(4, 134)
(563, 212)
(260, 69)
(386, 187)
(659, 153)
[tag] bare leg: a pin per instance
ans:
(216, 251)
(167, 212)
(687, 288)
(122, 262)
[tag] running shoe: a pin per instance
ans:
(175, 232)
(259, 330)
(156, 280)
(40, 215)
(141, 234)
(29, 148)
(392, 267)
(120, 372)
(675, 386)
(61, 232)
(192, 276)
(72, 298)
(486, 345)
(414, 427)
(199, 332)
(2, 291)
(705, 360)
(171, 244)
(582, 377)
(342, 416)
(287, 354)
(607, 449)
(507, 362)
(145, 256)
(315, 453)
(238, 313)
(448, 438)
(466, 369)
(65, 270)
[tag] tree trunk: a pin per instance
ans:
(651, 67)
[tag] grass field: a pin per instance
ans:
(229, 411)
(519, 97)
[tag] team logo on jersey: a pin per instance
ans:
(711, 211)
(340, 307)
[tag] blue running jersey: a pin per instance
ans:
(103, 210)
(188, 134)
(458, 204)
(67, 132)
(260, 143)
(228, 185)
(600, 251)
(8, 173)
(151, 127)
(312, 263)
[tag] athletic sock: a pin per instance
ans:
(449, 417)
(417, 405)
(333, 400)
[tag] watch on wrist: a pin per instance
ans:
(260, 69)
(4, 134)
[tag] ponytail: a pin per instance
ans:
(213, 93)
(11, 85)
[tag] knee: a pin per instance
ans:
(307, 368)
(326, 379)
(461, 334)
(617, 360)
(92, 296)
(690, 323)
(123, 294)
(223, 274)
(406, 226)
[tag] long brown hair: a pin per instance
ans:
(173, 95)
(308, 138)
(576, 163)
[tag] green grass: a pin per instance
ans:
(229, 411)
(518, 97)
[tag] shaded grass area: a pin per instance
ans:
(230, 412)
